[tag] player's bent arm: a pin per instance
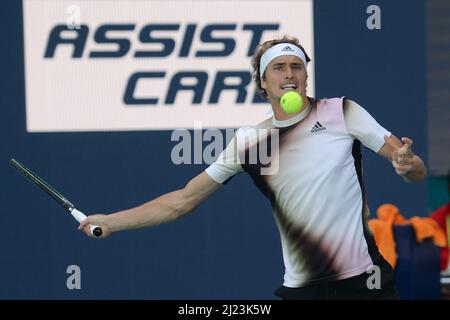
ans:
(361, 125)
(408, 165)
(165, 208)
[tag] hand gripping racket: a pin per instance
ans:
(96, 231)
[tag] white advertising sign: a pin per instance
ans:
(111, 65)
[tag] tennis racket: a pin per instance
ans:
(96, 231)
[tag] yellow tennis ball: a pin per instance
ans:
(291, 102)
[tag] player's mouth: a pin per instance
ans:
(288, 86)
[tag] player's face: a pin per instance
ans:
(283, 74)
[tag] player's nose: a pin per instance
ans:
(288, 73)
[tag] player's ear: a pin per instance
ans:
(263, 83)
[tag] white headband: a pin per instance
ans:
(281, 49)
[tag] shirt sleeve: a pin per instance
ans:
(362, 126)
(227, 164)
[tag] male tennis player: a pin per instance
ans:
(317, 194)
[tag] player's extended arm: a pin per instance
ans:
(405, 162)
(165, 208)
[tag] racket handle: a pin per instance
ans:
(96, 231)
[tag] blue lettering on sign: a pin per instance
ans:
(198, 88)
(187, 41)
(131, 86)
(123, 43)
(219, 85)
(166, 44)
(146, 37)
(55, 39)
(206, 37)
(257, 32)
(79, 39)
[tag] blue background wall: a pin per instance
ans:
(228, 249)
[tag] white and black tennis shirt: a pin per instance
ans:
(317, 193)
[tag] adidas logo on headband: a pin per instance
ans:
(287, 48)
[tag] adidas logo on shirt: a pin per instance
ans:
(287, 48)
(318, 127)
